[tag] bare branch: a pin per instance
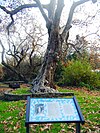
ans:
(18, 9)
(94, 33)
(74, 48)
(11, 23)
(9, 67)
(74, 5)
(4, 9)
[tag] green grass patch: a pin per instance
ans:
(21, 91)
(12, 115)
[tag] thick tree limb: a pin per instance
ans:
(18, 9)
(83, 1)
(41, 10)
(14, 56)
(5, 10)
(51, 9)
(58, 12)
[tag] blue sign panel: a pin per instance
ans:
(53, 109)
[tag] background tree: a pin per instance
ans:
(57, 36)
(95, 57)
(22, 51)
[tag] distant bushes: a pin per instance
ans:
(77, 73)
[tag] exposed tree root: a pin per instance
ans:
(42, 87)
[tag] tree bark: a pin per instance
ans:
(44, 80)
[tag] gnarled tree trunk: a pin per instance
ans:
(44, 80)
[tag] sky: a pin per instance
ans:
(79, 17)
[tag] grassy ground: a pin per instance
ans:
(23, 90)
(12, 115)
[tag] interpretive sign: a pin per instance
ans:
(53, 110)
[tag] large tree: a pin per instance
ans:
(57, 36)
